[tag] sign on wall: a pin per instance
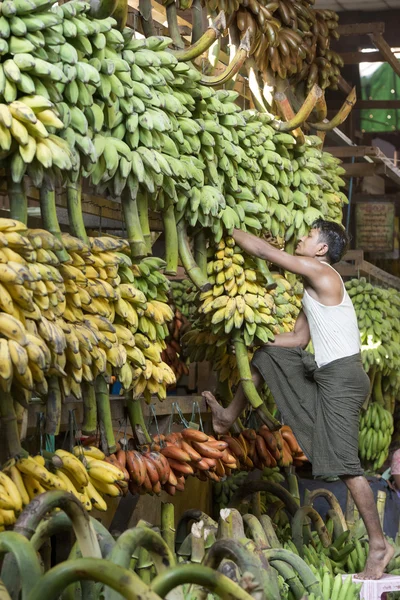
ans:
(375, 226)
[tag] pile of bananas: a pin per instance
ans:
(183, 295)
(290, 38)
(86, 473)
(225, 489)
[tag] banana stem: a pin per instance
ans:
(9, 425)
(53, 406)
(251, 487)
(266, 273)
(341, 116)
(230, 71)
(215, 582)
(256, 531)
(204, 41)
(254, 86)
(296, 587)
(190, 265)
(136, 419)
(171, 240)
(294, 121)
(104, 412)
(33, 514)
(51, 585)
(168, 524)
(145, 9)
(144, 566)
(120, 14)
(74, 206)
(89, 425)
(269, 530)
(307, 577)
(332, 501)
(298, 523)
(143, 210)
(200, 251)
(143, 538)
(173, 27)
(197, 20)
(377, 394)
(18, 201)
(49, 217)
(192, 514)
(293, 486)
(246, 379)
(214, 50)
(27, 561)
(132, 222)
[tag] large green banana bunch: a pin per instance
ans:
(376, 428)
(183, 296)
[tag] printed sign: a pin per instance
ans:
(375, 226)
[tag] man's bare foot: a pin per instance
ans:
(377, 562)
(220, 421)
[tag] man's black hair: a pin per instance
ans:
(335, 236)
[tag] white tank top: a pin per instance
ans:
(333, 329)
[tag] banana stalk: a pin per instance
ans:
(144, 566)
(89, 424)
(269, 530)
(321, 111)
(33, 514)
(266, 273)
(233, 68)
(293, 486)
(380, 505)
(53, 406)
(168, 525)
(143, 210)
(289, 575)
(132, 222)
(215, 582)
(74, 206)
(171, 240)
(197, 21)
(104, 414)
(9, 425)
(214, 50)
(140, 537)
(255, 86)
(337, 523)
(102, 9)
(145, 9)
(200, 250)
(243, 554)
(230, 525)
(205, 41)
(377, 394)
(298, 523)
(246, 379)
(193, 514)
(120, 14)
(29, 570)
(60, 522)
(173, 27)
(51, 585)
(49, 216)
(136, 420)
(198, 543)
(255, 531)
(307, 577)
(309, 499)
(190, 265)
(341, 116)
(17, 198)
(294, 121)
(251, 487)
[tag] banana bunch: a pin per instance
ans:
(337, 587)
(376, 428)
(289, 38)
(172, 355)
(183, 295)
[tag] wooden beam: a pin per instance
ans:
(369, 105)
(359, 169)
(361, 28)
(350, 151)
(344, 86)
(386, 51)
(355, 58)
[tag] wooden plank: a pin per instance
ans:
(344, 86)
(359, 170)
(386, 51)
(355, 58)
(361, 28)
(380, 274)
(349, 151)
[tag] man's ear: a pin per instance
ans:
(323, 249)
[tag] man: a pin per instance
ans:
(320, 399)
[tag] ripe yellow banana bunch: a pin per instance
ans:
(25, 122)
(238, 299)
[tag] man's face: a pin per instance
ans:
(310, 245)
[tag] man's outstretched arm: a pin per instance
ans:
(299, 337)
(307, 267)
